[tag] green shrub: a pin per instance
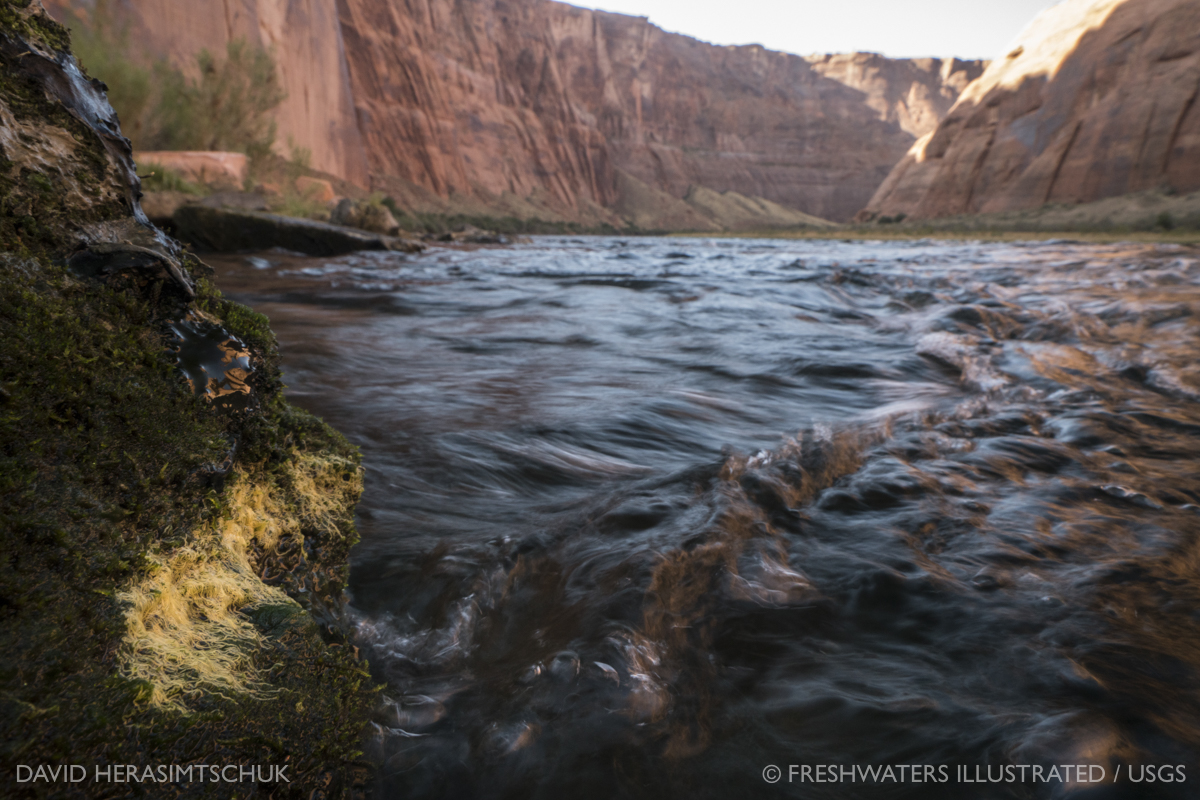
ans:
(157, 178)
(227, 108)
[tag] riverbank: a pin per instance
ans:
(1144, 217)
(175, 533)
(863, 233)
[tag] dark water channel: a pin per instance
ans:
(645, 517)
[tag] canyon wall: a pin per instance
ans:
(527, 97)
(1097, 98)
(914, 93)
(317, 114)
(539, 107)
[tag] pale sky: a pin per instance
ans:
(897, 28)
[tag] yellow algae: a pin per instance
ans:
(187, 624)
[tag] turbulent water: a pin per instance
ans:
(646, 518)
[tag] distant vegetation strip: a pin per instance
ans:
(227, 107)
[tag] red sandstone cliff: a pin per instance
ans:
(1098, 98)
(528, 96)
(537, 107)
(914, 93)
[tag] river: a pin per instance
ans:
(650, 517)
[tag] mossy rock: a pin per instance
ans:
(171, 567)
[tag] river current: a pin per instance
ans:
(650, 517)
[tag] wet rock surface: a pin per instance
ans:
(173, 559)
(229, 230)
(215, 362)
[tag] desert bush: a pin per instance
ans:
(157, 178)
(228, 107)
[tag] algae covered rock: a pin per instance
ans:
(174, 534)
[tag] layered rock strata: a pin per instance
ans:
(1097, 98)
(489, 98)
(531, 107)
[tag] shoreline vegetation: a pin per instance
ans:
(175, 534)
(1143, 217)
(1186, 237)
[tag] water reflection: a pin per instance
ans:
(215, 363)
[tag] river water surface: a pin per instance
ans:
(646, 517)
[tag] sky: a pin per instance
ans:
(897, 28)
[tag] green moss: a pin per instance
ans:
(109, 464)
(105, 458)
(36, 28)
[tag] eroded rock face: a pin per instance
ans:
(492, 99)
(914, 93)
(1097, 99)
(486, 96)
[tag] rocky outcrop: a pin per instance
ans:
(531, 107)
(701, 209)
(208, 167)
(231, 230)
(172, 530)
(914, 93)
(1097, 98)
